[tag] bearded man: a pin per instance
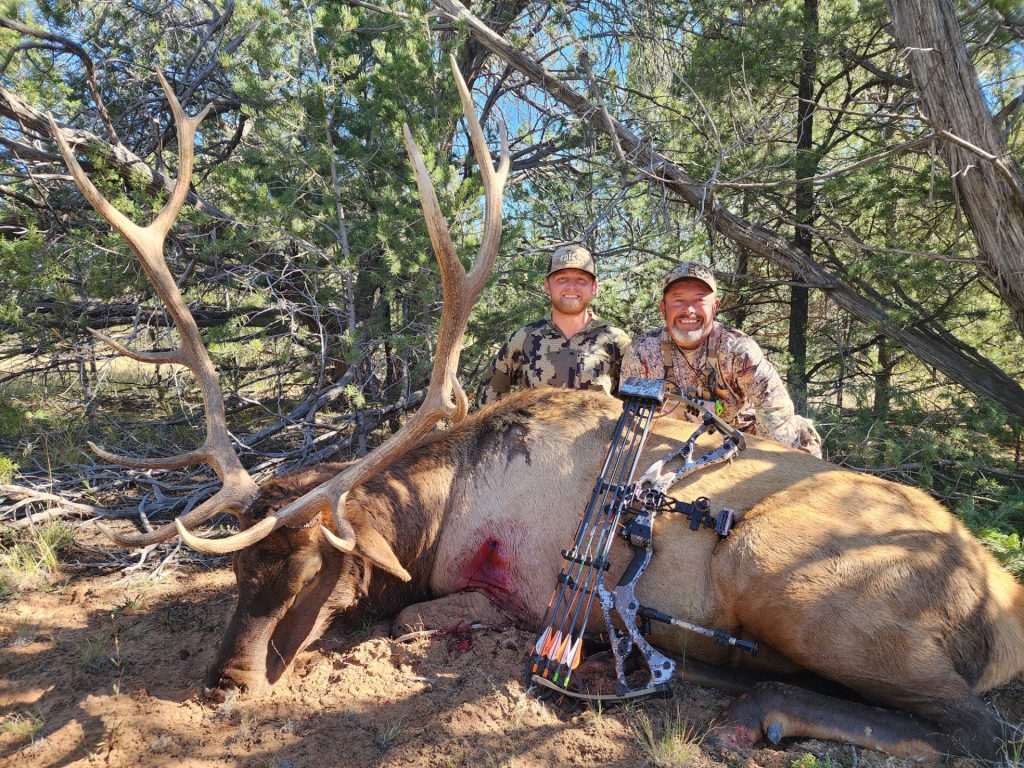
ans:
(570, 346)
(720, 367)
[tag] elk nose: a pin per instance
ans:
(234, 679)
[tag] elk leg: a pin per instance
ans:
(775, 711)
(448, 611)
(969, 727)
(939, 697)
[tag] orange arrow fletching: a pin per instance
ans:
(558, 649)
(552, 642)
(576, 655)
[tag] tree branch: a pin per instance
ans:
(127, 164)
(80, 52)
(930, 343)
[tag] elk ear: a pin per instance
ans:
(371, 545)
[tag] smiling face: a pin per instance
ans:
(570, 290)
(689, 308)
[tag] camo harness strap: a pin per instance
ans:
(711, 374)
(666, 356)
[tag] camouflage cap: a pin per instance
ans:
(572, 257)
(690, 270)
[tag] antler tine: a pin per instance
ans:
(185, 127)
(232, 502)
(494, 182)
(445, 397)
(147, 243)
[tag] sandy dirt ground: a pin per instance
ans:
(106, 669)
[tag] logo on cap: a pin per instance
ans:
(572, 257)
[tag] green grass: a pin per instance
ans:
(248, 724)
(389, 731)
(1013, 748)
(11, 417)
(92, 655)
(807, 760)
(39, 425)
(29, 560)
(25, 633)
(21, 726)
(7, 470)
(668, 742)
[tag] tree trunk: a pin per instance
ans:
(739, 315)
(882, 400)
(985, 178)
(842, 338)
(86, 364)
(803, 204)
(883, 380)
(929, 342)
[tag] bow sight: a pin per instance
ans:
(618, 504)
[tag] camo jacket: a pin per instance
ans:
(539, 355)
(732, 376)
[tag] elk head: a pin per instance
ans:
(293, 553)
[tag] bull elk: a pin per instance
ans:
(865, 582)
(444, 398)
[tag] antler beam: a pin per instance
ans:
(445, 398)
(147, 243)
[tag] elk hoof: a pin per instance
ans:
(774, 732)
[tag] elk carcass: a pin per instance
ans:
(864, 582)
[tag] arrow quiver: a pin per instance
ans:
(617, 504)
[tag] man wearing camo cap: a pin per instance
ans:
(570, 346)
(721, 367)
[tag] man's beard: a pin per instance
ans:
(570, 306)
(688, 337)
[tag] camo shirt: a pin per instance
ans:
(731, 374)
(539, 355)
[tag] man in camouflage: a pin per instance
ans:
(719, 366)
(569, 347)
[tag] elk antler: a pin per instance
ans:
(239, 489)
(444, 397)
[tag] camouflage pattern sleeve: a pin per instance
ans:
(639, 360)
(621, 344)
(755, 379)
(631, 365)
(504, 371)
